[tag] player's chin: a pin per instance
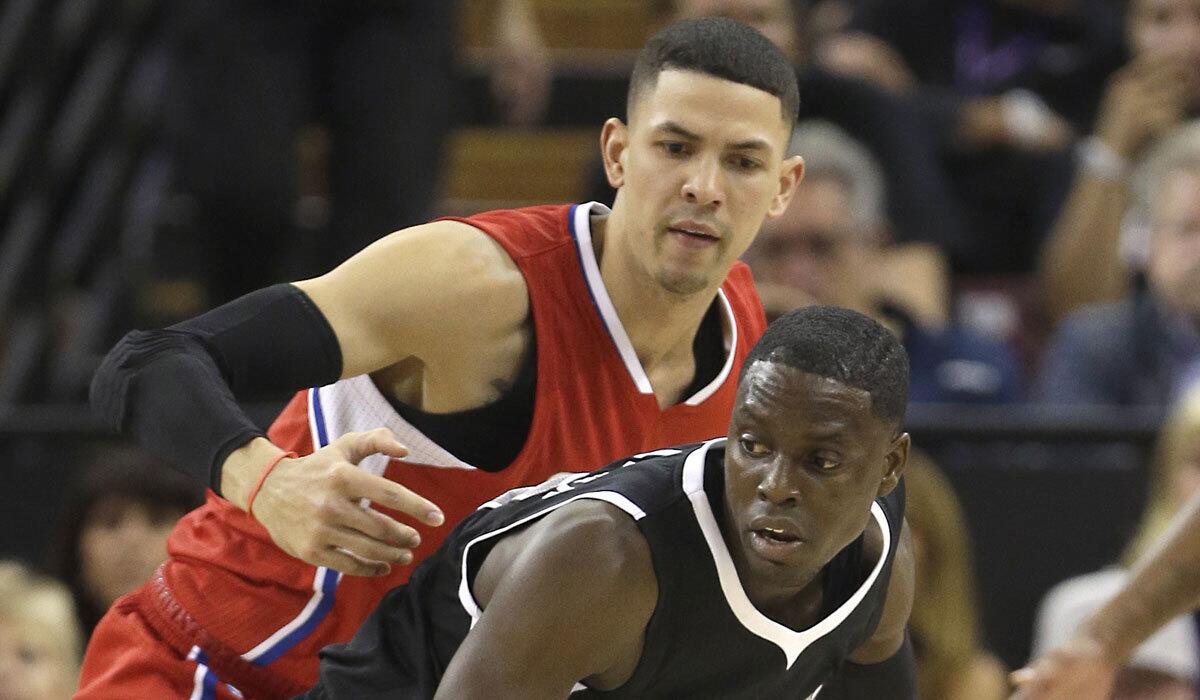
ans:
(684, 279)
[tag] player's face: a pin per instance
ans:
(697, 169)
(805, 459)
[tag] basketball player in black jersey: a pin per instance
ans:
(772, 563)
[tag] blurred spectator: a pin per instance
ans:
(1082, 262)
(113, 530)
(967, 58)
(1162, 668)
(1167, 665)
(952, 662)
(379, 75)
(922, 208)
(1137, 350)
(830, 247)
(1007, 84)
(40, 644)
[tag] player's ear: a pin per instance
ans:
(791, 172)
(614, 140)
(895, 462)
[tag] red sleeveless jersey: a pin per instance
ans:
(593, 404)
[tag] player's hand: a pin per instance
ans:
(1078, 670)
(311, 506)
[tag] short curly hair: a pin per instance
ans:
(720, 47)
(842, 345)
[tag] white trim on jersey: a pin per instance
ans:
(464, 589)
(608, 313)
(199, 687)
(323, 585)
(731, 339)
(790, 642)
(355, 404)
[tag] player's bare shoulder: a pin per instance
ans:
(465, 274)
(424, 292)
(588, 544)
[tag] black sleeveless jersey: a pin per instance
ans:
(704, 640)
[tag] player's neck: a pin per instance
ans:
(661, 324)
(795, 607)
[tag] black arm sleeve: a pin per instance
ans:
(174, 389)
(892, 678)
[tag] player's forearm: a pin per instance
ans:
(242, 468)
(174, 389)
(160, 389)
(527, 690)
(1081, 262)
(1164, 583)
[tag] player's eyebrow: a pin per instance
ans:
(678, 129)
(752, 144)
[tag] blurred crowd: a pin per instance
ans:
(1012, 186)
(1006, 182)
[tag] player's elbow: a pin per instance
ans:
(117, 373)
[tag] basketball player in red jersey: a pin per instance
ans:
(500, 349)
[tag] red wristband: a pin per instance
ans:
(263, 477)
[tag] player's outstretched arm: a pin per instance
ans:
(571, 606)
(1164, 583)
(440, 287)
(884, 666)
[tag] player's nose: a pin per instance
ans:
(776, 485)
(703, 184)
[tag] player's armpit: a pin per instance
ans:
(891, 631)
(884, 665)
(894, 678)
(421, 292)
(570, 604)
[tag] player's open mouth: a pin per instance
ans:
(774, 544)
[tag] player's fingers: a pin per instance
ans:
(366, 549)
(380, 527)
(1021, 676)
(356, 483)
(350, 563)
(356, 447)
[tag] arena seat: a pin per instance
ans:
(495, 167)
(570, 25)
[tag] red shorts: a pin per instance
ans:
(147, 646)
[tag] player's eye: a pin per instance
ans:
(674, 148)
(744, 163)
(825, 463)
(753, 447)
